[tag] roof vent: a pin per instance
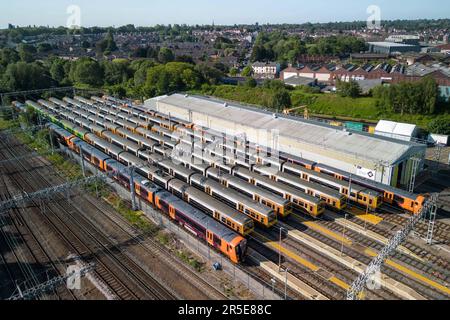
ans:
(186, 96)
(275, 116)
(225, 105)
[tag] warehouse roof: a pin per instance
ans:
(361, 145)
(390, 44)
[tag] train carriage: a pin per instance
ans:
(280, 205)
(111, 126)
(119, 171)
(94, 156)
(64, 137)
(370, 198)
(408, 201)
(332, 197)
(219, 211)
(256, 211)
(313, 206)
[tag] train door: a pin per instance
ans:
(172, 213)
(389, 197)
(210, 238)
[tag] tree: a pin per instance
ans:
(107, 45)
(25, 76)
(234, 72)
(247, 71)
(348, 89)
(44, 47)
(87, 71)
(165, 55)
(185, 58)
(208, 74)
(409, 97)
(430, 94)
(173, 76)
(26, 52)
(251, 83)
(439, 126)
(8, 56)
(281, 99)
(85, 44)
(59, 70)
(116, 72)
(222, 67)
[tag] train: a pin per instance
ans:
(365, 192)
(239, 222)
(218, 236)
(261, 213)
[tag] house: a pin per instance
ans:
(418, 58)
(321, 73)
(266, 70)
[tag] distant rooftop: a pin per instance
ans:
(390, 44)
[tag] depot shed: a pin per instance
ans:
(387, 160)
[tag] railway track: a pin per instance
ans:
(34, 263)
(337, 277)
(392, 223)
(91, 244)
(358, 250)
(149, 246)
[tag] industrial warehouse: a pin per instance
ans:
(381, 159)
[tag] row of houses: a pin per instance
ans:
(383, 71)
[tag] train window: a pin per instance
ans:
(370, 201)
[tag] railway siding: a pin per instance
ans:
(393, 285)
(293, 282)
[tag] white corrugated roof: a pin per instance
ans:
(361, 145)
(397, 128)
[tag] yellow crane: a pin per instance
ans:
(305, 114)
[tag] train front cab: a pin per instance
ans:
(235, 250)
(411, 205)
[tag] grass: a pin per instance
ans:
(136, 218)
(193, 262)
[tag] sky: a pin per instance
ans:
(222, 12)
